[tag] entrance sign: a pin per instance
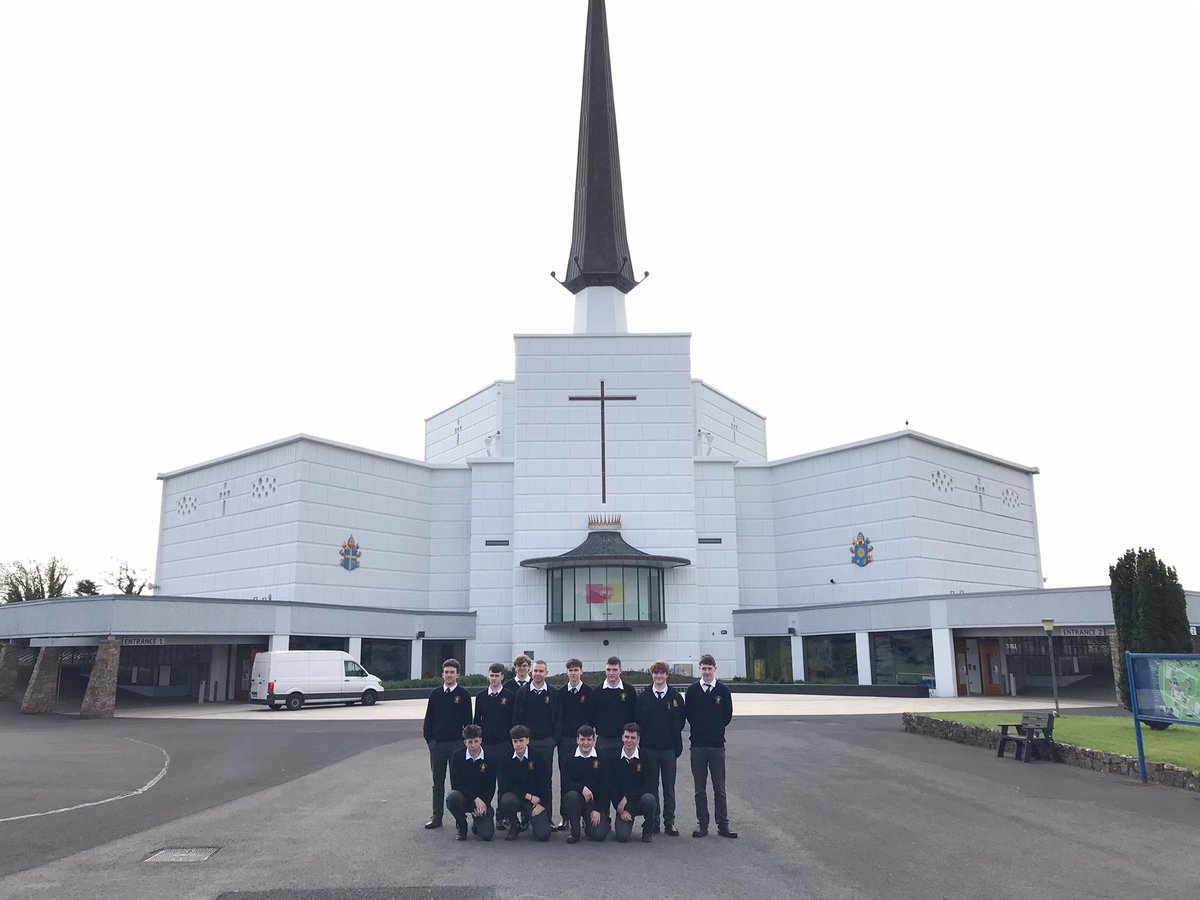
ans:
(1163, 687)
(143, 641)
(1081, 631)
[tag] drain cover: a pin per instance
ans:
(182, 854)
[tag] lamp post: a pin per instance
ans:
(1048, 624)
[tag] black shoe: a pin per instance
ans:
(434, 823)
(462, 833)
(573, 839)
(723, 831)
(646, 838)
(702, 831)
(500, 825)
(512, 835)
(671, 830)
(558, 826)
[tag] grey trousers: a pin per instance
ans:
(439, 758)
(706, 761)
(511, 806)
(664, 765)
(577, 810)
(485, 825)
(646, 807)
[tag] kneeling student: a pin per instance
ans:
(473, 783)
(633, 787)
(524, 782)
(585, 788)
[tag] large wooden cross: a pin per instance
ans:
(604, 398)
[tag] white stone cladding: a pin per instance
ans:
(725, 427)
(288, 509)
(476, 426)
(650, 477)
(941, 519)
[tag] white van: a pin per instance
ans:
(292, 678)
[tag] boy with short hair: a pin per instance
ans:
(473, 784)
(660, 712)
(709, 709)
(585, 787)
(523, 785)
(537, 708)
(447, 712)
(574, 699)
(521, 666)
(613, 704)
(633, 787)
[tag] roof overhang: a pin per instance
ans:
(605, 548)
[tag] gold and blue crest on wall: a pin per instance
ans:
(860, 551)
(351, 554)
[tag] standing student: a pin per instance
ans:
(613, 704)
(521, 666)
(585, 787)
(632, 787)
(574, 701)
(473, 784)
(524, 782)
(660, 712)
(537, 708)
(494, 712)
(709, 709)
(446, 714)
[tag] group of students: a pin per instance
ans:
(616, 750)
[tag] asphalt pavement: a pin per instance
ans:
(329, 808)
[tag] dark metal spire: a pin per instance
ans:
(599, 247)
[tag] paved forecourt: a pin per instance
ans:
(827, 806)
(744, 705)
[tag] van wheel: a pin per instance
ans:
(369, 698)
(274, 707)
(295, 701)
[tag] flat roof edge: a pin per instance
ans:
(895, 435)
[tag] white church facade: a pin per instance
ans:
(605, 501)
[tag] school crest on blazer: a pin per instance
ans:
(504, 701)
(595, 763)
(456, 699)
(483, 767)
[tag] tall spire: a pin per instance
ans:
(599, 247)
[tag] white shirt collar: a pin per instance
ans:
(534, 687)
(591, 755)
(706, 684)
(492, 693)
(637, 754)
(475, 758)
(620, 685)
(521, 758)
(573, 688)
(449, 690)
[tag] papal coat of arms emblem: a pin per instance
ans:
(351, 554)
(860, 551)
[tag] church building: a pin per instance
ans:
(605, 501)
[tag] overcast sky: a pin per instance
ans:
(223, 223)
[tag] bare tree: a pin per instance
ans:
(125, 579)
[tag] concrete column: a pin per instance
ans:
(414, 663)
(797, 657)
(944, 678)
(739, 665)
(1114, 651)
(10, 656)
(100, 698)
(42, 694)
(279, 642)
(862, 646)
(354, 648)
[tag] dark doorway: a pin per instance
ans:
(435, 652)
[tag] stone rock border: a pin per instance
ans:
(1067, 754)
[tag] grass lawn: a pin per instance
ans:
(1178, 745)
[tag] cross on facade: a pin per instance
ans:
(604, 398)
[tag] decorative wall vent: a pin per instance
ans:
(942, 481)
(602, 521)
(262, 487)
(1010, 498)
(186, 506)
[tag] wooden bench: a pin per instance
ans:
(1034, 730)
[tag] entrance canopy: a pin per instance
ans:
(605, 548)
